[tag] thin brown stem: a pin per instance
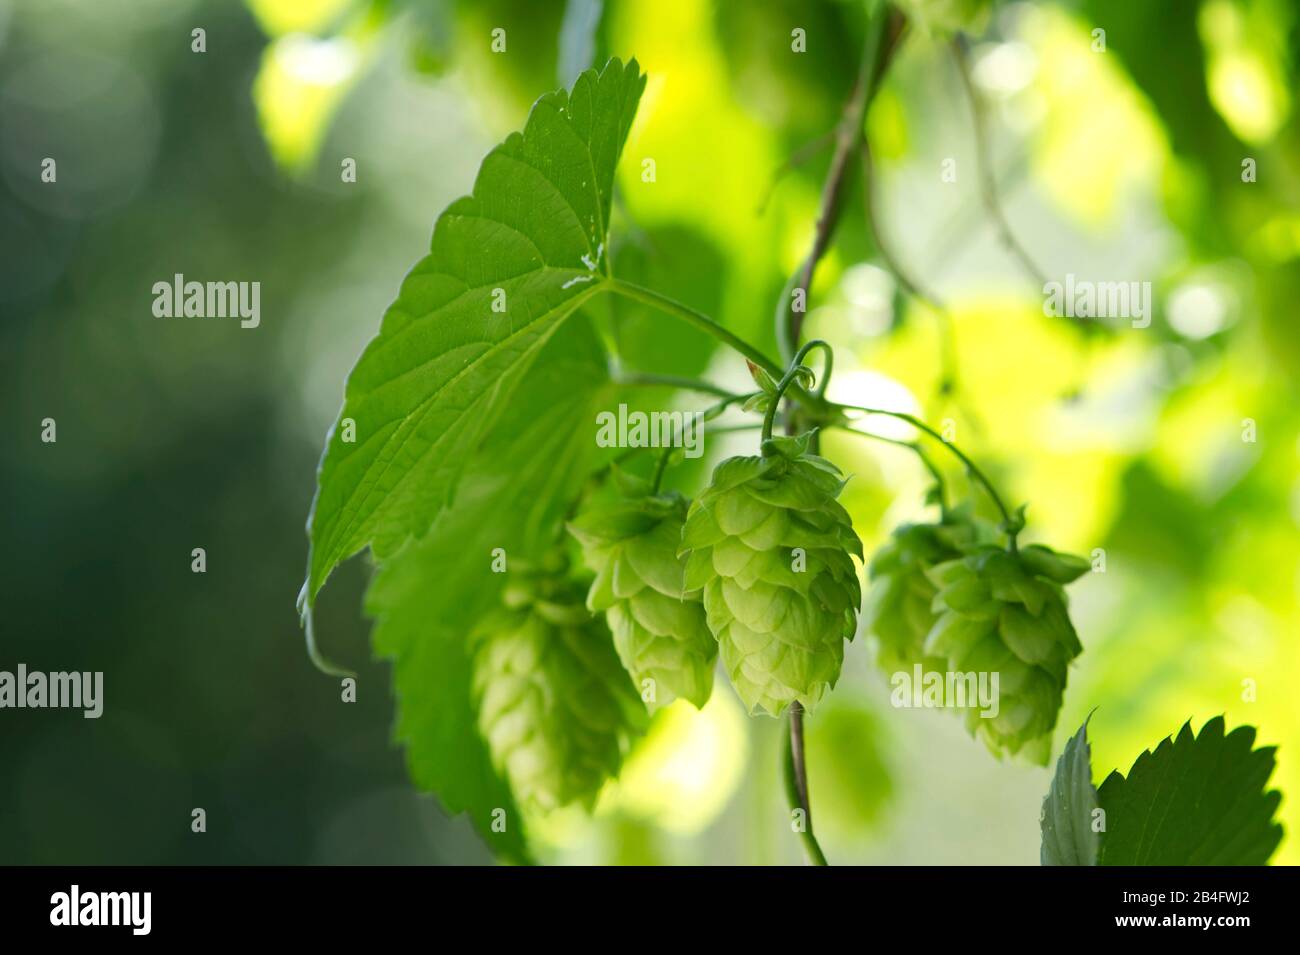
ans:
(797, 159)
(988, 182)
(882, 38)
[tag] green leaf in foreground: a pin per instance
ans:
(1193, 800)
(531, 241)
(427, 599)
(1068, 811)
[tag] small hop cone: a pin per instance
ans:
(1005, 613)
(898, 612)
(660, 630)
(780, 618)
(555, 707)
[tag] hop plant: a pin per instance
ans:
(660, 631)
(898, 610)
(554, 705)
(769, 546)
(1005, 612)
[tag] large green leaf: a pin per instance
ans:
(1193, 800)
(428, 388)
(427, 598)
(1067, 820)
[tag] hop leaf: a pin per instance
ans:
(769, 546)
(1005, 613)
(554, 705)
(898, 612)
(660, 631)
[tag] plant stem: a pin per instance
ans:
(788, 379)
(675, 381)
(660, 468)
(789, 320)
(947, 336)
(796, 783)
(971, 467)
(318, 659)
(988, 184)
(797, 159)
(698, 319)
(919, 451)
(883, 35)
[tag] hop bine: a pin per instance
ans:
(556, 708)
(659, 628)
(769, 546)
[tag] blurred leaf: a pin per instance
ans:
(426, 599)
(448, 358)
(1160, 528)
(298, 88)
(849, 779)
(1246, 64)
(683, 772)
(278, 17)
(1068, 835)
(578, 37)
(1193, 800)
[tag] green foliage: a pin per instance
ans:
(472, 411)
(1193, 800)
(769, 545)
(508, 264)
(659, 629)
(426, 599)
(1069, 834)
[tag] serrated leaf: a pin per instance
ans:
(1067, 818)
(427, 389)
(1193, 800)
(427, 598)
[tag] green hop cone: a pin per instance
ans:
(555, 706)
(1005, 613)
(898, 610)
(769, 547)
(660, 631)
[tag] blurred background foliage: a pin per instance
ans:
(1122, 165)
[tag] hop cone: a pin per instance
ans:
(660, 632)
(555, 707)
(769, 546)
(898, 612)
(1005, 613)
